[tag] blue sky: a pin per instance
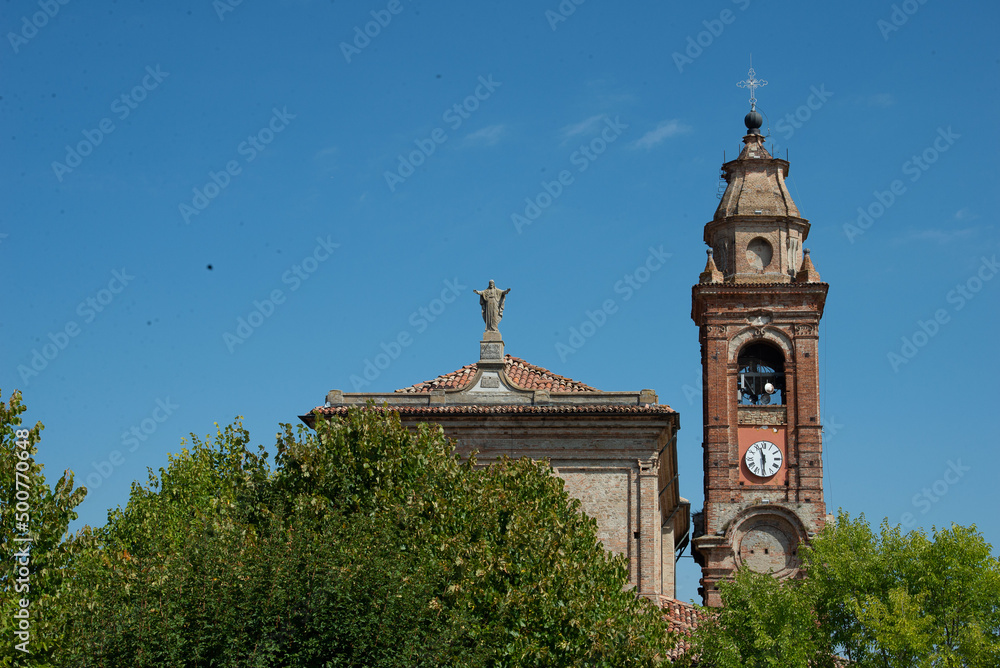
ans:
(171, 169)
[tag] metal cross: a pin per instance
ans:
(752, 83)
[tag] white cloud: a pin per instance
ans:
(882, 100)
(942, 236)
(583, 126)
(665, 130)
(487, 136)
(327, 152)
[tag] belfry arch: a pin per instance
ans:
(760, 374)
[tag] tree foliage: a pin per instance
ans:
(367, 545)
(881, 600)
(33, 541)
(894, 599)
(763, 623)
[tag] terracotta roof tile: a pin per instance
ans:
(682, 618)
(524, 375)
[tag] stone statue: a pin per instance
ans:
(492, 299)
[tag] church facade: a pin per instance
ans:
(615, 451)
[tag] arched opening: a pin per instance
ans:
(761, 377)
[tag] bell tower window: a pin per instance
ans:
(761, 377)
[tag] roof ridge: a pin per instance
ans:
(533, 377)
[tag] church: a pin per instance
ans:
(757, 306)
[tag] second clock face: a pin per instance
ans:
(763, 459)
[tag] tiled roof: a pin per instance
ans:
(648, 409)
(524, 375)
(682, 618)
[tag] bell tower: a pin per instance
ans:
(757, 306)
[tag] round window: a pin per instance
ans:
(759, 253)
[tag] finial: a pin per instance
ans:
(711, 273)
(752, 120)
(753, 83)
(807, 272)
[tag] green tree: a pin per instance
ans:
(883, 599)
(893, 599)
(33, 540)
(367, 545)
(764, 623)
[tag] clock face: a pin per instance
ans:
(763, 458)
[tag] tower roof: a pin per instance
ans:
(757, 233)
(756, 184)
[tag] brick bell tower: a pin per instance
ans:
(757, 306)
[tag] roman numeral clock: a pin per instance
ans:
(757, 306)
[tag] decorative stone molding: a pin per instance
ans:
(804, 330)
(769, 333)
(647, 465)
